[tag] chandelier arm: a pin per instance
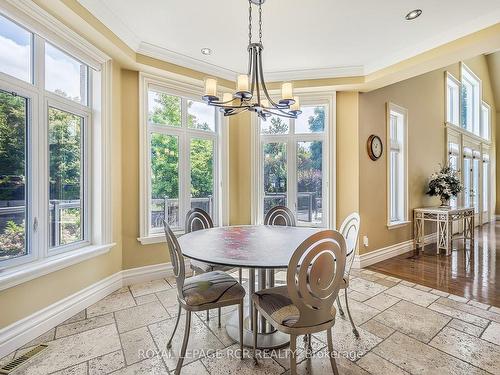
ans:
(264, 88)
(279, 112)
(250, 61)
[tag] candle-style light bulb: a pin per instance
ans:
(242, 83)
(211, 87)
(286, 90)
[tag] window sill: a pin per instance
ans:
(157, 238)
(29, 271)
(397, 224)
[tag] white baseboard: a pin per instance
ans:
(23, 331)
(367, 259)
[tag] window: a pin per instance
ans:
(470, 101)
(485, 120)
(486, 185)
(181, 153)
(452, 100)
(15, 50)
(293, 164)
(453, 162)
(47, 117)
(397, 125)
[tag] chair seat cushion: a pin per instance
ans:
(211, 287)
(199, 266)
(278, 305)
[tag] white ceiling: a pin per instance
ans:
(302, 39)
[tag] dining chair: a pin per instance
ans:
(210, 290)
(306, 304)
(350, 231)
(199, 219)
(280, 215)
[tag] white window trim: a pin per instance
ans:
(185, 88)
(391, 107)
(307, 97)
(449, 76)
(488, 108)
(39, 263)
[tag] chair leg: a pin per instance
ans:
(354, 329)
(293, 354)
(341, 312)
(219, 317)
(254, 325)
(240, 312)
(240, 275)
(169, 344)
(208, 315)
(184, 343)
(330, 351)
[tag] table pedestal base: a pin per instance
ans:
(272, 340)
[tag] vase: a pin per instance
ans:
(445, 202)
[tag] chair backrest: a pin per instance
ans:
(176, 258)
(197, 219)
(315, 275)
(280, 215)
(350, 231)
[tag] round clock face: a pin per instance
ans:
(375, 147)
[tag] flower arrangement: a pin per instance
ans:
(444, 184)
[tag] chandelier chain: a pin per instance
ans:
(249, 22)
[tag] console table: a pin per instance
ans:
(444, 218)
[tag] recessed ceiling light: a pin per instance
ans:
(413, 14)
(206, 51)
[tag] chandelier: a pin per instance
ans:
(251, 91)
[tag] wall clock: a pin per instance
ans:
(375, 147)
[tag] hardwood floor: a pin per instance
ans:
(473, 274)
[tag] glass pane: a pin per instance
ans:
(475, 184)
(486, 190)
(13, 213)
(275, 125)
(394, 186)
(310, 182)
(275, 175)
(453, 162)
(467, 182)
(66, 178)
(201, 116)
(65, 75)
(164, 180)
(15, 50)
(466, 114)
(202, 174)
(164, 109)
(311, 120)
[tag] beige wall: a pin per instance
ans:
(423, 96)
(347, 140)
(22, 300)
(134, 254)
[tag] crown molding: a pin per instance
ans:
(303, 74)
(101, 11)
(172, 57)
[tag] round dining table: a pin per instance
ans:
(258, 248)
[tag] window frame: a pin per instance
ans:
(291, 139)
(403, 167)
(485, 107)
(451, 78)
(186, 90)
(98, 222)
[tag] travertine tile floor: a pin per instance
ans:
(405, 329)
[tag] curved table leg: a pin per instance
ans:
(267, 337)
